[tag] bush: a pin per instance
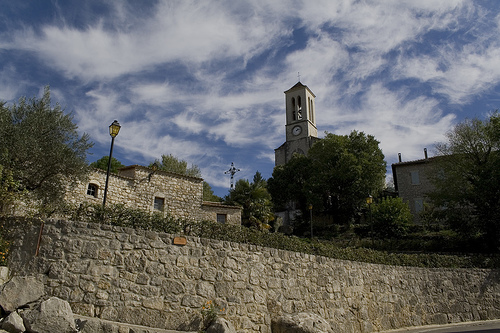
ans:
(391, 218)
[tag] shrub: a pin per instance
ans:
(391, 218)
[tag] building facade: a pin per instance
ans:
(300, 127)
(151, 190)
(412, 183)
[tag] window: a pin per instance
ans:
(92, 190)
(159, 204)
(221, 218)
(299, 112)
(310, 108)
(294, 117)
(415, 178)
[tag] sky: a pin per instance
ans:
(205, 80)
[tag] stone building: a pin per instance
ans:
(301, 134)
(411, 182)
(300, 127)
(154, 191)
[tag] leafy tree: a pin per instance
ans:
(255, 201)
(9, 191)
(173, 164)
(467, 180)
(335, 177)
(391, 218)
(102, 163)
(208, 194)
(41, 149)
(290, 183)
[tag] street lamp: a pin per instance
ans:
(369, 201)
(114, 128)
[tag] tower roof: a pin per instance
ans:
(299, 85)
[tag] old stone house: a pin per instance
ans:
(154, 191)
(412, 183)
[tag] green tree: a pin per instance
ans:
(335, 177)
(289, 183)
(208, 194)
(255, 201)
(102, 163)
(171, 163)
(9, 191)
(41, 149)
(391, 218)
(467, 180)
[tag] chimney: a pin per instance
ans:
(425, 153)
(399, 157)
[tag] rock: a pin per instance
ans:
(300, 323)
(221, 325)
(52, 315)
(13, 323)
(20, 291)
(4, 274)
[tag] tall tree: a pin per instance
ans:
(255, 201)
(337, 175)
(40, 148)
(467, 180)
(102, 163)
(347, 168)
(290, 183)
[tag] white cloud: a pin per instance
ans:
(204, 80)
(400, 124)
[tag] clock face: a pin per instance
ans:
(296, 130)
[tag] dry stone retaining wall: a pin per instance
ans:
(141, 277)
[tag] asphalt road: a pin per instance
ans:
(489, 326)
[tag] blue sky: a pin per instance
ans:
(204, 80)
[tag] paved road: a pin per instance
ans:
(490, 326)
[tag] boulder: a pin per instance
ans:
(19, 291)
(300, 323)
(221, 325)
(52, 315)
(13, 323)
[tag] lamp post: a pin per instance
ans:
(311, 218)
(114, 128)
(369, 201)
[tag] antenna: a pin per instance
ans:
(231, 172)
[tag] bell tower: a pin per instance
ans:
(300, 127)
(300, 113)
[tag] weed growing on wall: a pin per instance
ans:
(4, 250)
(209, 313)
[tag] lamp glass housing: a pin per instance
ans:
(114, 128)
(369, 200)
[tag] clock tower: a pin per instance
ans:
(300, 128)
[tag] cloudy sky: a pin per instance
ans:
(204, 80)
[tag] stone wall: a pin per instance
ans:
(137, 187)
(141, 277)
